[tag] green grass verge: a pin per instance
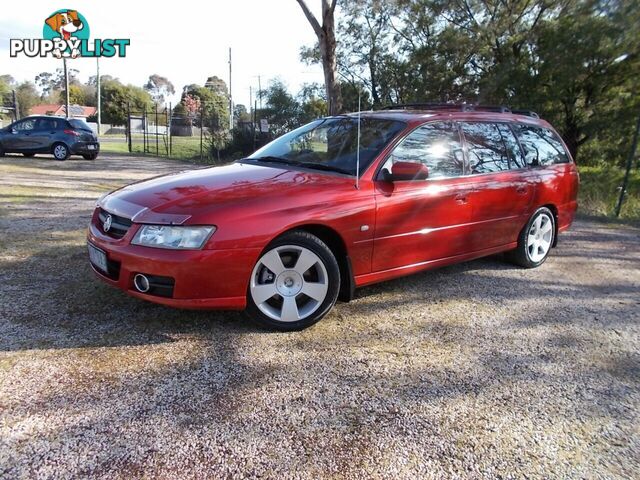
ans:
(187, 148)
(599, 190)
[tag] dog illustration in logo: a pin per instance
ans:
(66, 24)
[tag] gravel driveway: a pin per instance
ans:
(480, 370)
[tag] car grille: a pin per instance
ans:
(119, 225)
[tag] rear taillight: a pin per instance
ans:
(72, 132)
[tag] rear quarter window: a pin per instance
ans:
(541, 146)
(81, 124)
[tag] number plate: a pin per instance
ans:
(98, 258)
(91, 147)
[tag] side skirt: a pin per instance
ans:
(375, 277)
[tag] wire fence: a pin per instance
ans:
(200, 135)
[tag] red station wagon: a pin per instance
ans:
(342, 202)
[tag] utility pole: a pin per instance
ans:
(260, 92)
(66, 87)
(250, 99)
(230, 96)
(98, 92)
(16, 107)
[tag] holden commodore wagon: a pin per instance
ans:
(342, 202)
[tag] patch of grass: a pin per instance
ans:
(181, 147)
(599, 190)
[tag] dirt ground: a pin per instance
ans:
(480, 370)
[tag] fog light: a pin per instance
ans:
(141, 283)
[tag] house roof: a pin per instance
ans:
(53, 109)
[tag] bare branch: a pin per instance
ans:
(312, 19)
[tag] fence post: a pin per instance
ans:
(144, 129)
(170, 135)
(157, 146)
(129, 126)
(201, 128)
(166, 125)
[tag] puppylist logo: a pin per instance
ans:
(66, 34)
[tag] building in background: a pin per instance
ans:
(75, 111)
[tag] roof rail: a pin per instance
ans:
(464, 107)
(528, 113)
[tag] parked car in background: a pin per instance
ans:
(339, 203)
(58, 136)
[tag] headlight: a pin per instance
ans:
(166, 236)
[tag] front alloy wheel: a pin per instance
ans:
(294, 283)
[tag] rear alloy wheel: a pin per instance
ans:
(535, 240)
(60, 151)
(294, 283)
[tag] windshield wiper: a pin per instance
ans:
(323, 166)
(271, 159)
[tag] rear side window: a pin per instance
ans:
(48, 124)
(541, 146)
(486, 150)
(437, 145)
(516, 158)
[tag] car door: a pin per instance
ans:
(45, 130)
(418, 221)
(502, 187)
(19, 138)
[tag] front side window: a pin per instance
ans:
(332, 144)
(25, 125)
(436, 145)
(486, 149)
(541, 146)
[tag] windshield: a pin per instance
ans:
(331, 144)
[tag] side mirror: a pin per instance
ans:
(407, 171)
(14, 131)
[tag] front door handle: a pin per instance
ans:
(461, 198)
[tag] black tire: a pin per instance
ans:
(1, 151)
(60, 151)
(90, 156)
(316, 246)
(28, 155)
(522, 254)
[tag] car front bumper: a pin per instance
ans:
(203, 279)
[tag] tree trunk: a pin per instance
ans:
(327, 42)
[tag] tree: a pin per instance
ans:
(27, 96)
(217, 86)
(240, 113)
(49, 82)
(117, 98)
(366, 32)
(282, 110)
(159, 88)
(327, 46)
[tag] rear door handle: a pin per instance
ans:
(522, 190)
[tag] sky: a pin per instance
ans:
(185, 41)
